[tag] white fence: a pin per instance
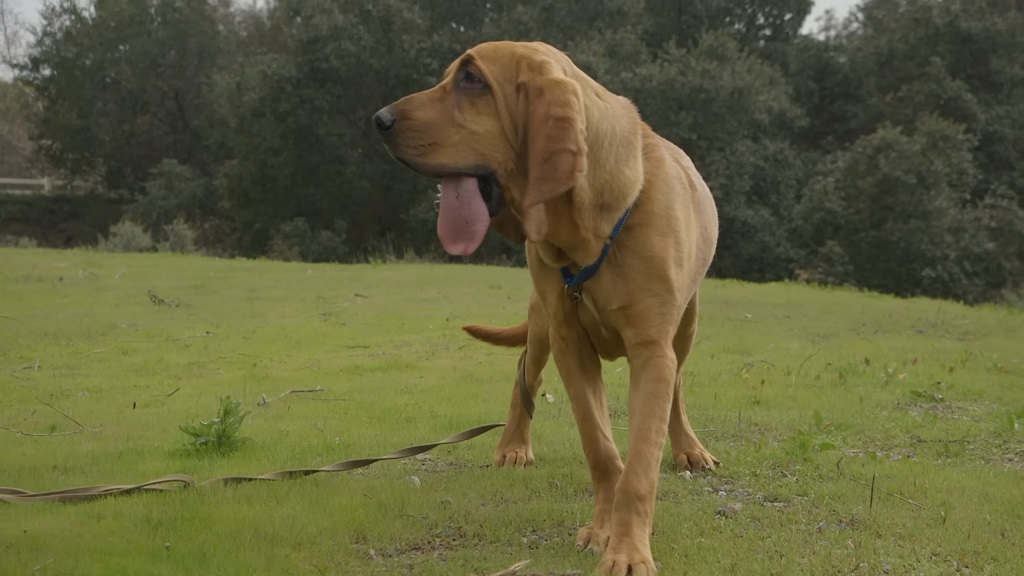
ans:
(29, 187)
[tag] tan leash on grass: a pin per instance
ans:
(174, 481)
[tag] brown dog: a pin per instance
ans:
(620, 232)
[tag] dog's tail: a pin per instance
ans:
(512, 336)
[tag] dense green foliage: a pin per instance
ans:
(885, 151)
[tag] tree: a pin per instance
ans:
(11, 38)
(15, 99)
(758, 25)
(297, 119)
(896, 61)
(893, 214)
(884, 151)
(121, 85)
(15, 118)
(733, 114)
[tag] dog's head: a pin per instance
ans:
(506, 132)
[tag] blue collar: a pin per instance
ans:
(587, 272)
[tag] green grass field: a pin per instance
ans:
(806, 394)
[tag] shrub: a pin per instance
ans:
(180, 236)
(295, 241)
(126, 236)
(173, 191)
(290, 240)
(18, 242)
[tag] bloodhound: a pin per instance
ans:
(620, 230)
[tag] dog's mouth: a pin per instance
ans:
(467, 200)
(490, 191)
(465, 205)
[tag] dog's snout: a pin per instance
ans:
(384, 120)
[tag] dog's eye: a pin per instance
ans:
(467, 79)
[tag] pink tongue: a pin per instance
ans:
(463, 219)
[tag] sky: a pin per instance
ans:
(29, 9)
(840, 7)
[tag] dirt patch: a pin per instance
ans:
(428, 464)
(535, 539)
(515, 568)
(1013, 459)
(727, 489)
(848, 523)
(571, 573)
(950, 410)
(438, 544)
(895, 454)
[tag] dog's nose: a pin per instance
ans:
(384, 120)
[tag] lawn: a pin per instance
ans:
(807, 395)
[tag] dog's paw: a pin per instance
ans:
(592, 538)
(695, 460)
(626, 557)
(623, 566)
(513, 456)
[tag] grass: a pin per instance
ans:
(806, 391)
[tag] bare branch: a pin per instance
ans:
(513, 569)
(264, 400)
(839, 472)
(883, 491)
(33, 366)
(62, 413)
(36, 434)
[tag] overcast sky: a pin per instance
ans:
(28, 9)
(841, 7)
(25, 8)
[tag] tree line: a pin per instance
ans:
(884, 150)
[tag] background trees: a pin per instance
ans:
(885, 151)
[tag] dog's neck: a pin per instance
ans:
(587, 214)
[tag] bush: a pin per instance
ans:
(19, 242)
(290, 241)
(221, 434)
(173, 192)
(295, 241)
(59, 220)
(126, 236)
(180, 238)
(893, 214)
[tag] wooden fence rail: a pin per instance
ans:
(32, 186)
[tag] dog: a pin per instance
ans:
(619, 230)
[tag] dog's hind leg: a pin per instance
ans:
(515, 449)
(687, 450)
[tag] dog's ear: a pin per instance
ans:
(553, 145)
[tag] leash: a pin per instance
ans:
(179, 481)
(524, 392)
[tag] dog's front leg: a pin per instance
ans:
(580, 369)
(652, 368)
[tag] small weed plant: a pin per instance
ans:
(222, 434)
